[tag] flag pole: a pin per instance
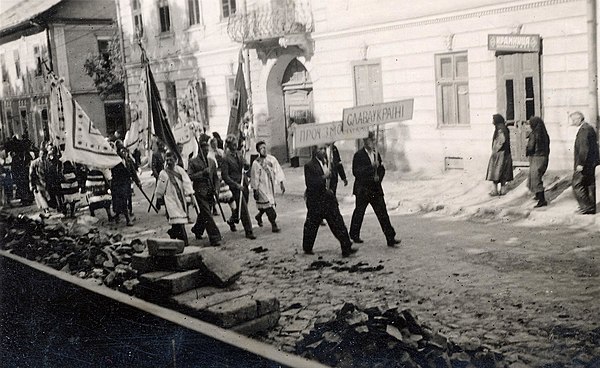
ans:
(148, 199)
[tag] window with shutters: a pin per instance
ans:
(228, 8)
(165, 16)
(194, 12)
(367, 83)
(138, 23)
(452, 82)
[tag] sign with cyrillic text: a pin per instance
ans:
(360, 118)
(514, 42)
(306, 135)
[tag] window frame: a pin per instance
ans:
(455, 81)
(164, 4)
(171, 102)
(228, 3)
(136, 14)
(194, 7)
(17, 61)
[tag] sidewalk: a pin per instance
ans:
(464, 195)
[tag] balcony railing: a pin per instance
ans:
(271, 21)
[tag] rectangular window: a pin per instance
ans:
(452, 80)
(104, 50)
(529, 98)
(194, 12)
(4, 69)
(367, 84)
(510, 100)
(203, 101)
(228, 7)
(231, 92)
(171, 101)
(17, 59)
(138, 24)
(37, 55)
(165, 16)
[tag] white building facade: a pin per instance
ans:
(460, 61)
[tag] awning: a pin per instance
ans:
(23, 12)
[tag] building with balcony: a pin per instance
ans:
(37, 36)
(460, 61)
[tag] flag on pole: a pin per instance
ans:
(158, 116)
(239, 103)
(84, 143)
(137, 134)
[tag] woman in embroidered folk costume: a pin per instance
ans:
(175, 187)
(266, 174)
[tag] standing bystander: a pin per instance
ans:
(586, 159)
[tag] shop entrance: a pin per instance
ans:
(518, 86)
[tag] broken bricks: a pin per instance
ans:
(392, 339)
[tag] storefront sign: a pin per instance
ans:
(514, 42)
(361, 117)
(306, 135)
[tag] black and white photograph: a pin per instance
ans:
(299, 183)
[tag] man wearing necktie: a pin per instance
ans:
(322, 204)
(368, 171)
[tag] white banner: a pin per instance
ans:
(306, 135)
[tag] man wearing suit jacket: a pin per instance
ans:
(322, 204)
(368, 171)
(585, 161)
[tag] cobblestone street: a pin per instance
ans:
(529, 292)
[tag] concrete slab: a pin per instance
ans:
(257, 325)
(190, 259)
(221, 269)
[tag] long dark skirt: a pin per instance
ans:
(500, 168)
(537, 169)
(120, 197)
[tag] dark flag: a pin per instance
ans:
(160, 123)
(239, 103)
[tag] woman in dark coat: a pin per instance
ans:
(500, 167)
(538, 150)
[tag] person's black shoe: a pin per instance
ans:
(250, 236)
(348, 252)
(275, 228)
(541, 204)
(128, 224)
(309, 252)
(394, 242)
(231, 225)
(357, 240)
(258, 219)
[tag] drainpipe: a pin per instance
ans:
(124, 61)
(592, 23)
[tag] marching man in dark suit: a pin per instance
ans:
(322, 204)
(368, 171)
(586, 160)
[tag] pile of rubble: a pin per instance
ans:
(197, 281)
(372, 337)
(79, 249)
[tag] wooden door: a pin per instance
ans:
(518, 98)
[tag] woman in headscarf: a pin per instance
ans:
(175, 187)
(500, 168)
(538, 150)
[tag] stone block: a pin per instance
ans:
(167, 283)
(266, 304)
(189, 259)
(221, 269)
(233, 312)
(164, 247)
(263, 323)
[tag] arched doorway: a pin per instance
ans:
(290, 100)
